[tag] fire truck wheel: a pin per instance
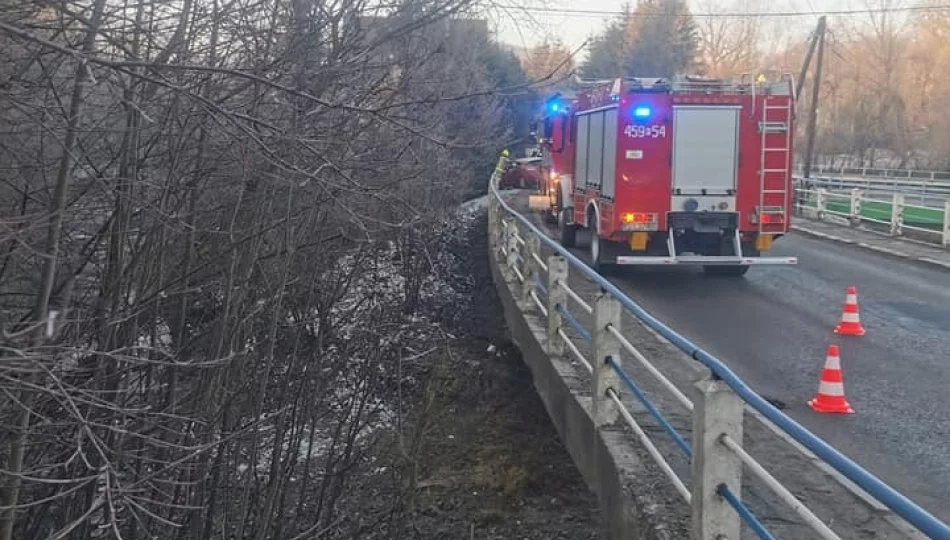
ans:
(726, 271)
(596, 245)
(568, 231)
(594, 250)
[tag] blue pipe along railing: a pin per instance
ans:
(651, 408)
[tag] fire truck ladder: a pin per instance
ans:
(778, 127)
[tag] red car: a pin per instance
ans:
(522, 173)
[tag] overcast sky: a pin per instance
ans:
(529, 28)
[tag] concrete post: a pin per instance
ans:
(511, 247)
(717, 411)
(897, 214)
(855, 207)
(605, 345)
(821, 203)
(557, 272)
(946, 224)
(492, 221)
(531, 270)
(503, 247)
(503, 241)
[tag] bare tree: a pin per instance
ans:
(728, 45)
(547, 58)
(203, 204)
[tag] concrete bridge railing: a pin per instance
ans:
(540, 307)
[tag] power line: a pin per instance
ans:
(763, 14)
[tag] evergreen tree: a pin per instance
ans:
(655, 39)
(605, 56)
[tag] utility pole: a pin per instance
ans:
(819, 31)
(813, 109)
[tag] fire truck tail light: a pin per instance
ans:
(637, 217)
(766, 218)
(638, 221)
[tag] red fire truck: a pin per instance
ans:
(664, 172)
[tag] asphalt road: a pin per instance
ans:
(773, 328)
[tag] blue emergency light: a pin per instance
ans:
(641, 112)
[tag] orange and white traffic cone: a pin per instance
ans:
(830, 398)
(850, 324)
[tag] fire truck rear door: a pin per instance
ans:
(705, 150)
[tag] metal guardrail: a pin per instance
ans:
(716, 454)
(938, 187)
(879, 172)
(892, 212)
(931, 193)
(927, 192)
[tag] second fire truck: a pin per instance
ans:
(669, 172)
